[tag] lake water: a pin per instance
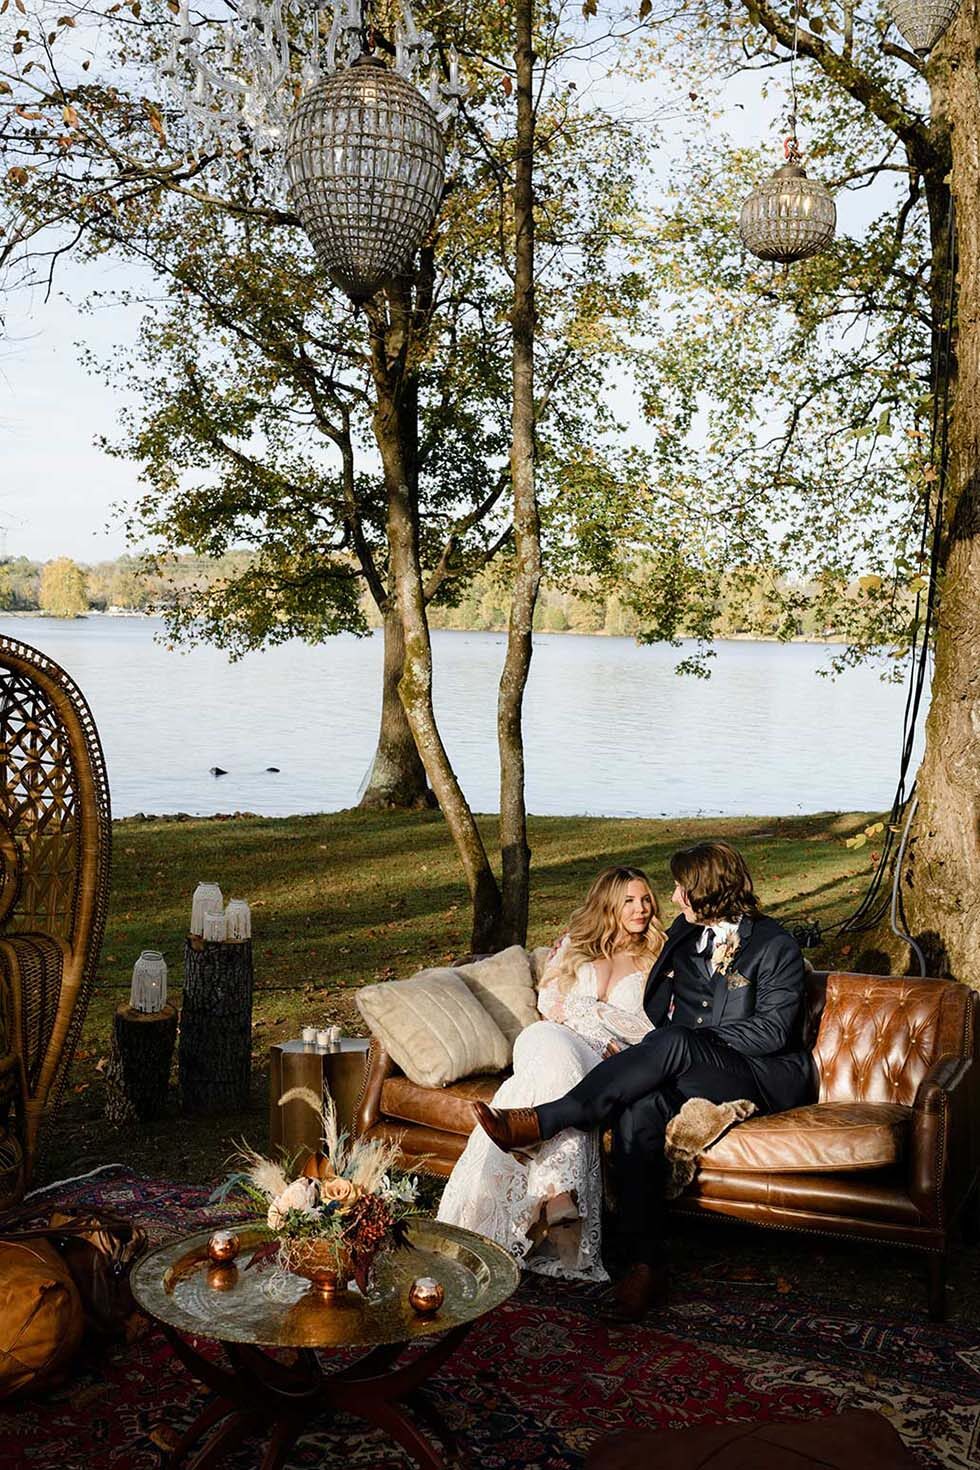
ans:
(610, 729)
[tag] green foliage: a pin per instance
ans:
(62, 592)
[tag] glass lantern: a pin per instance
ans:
(238, 919)
(207, 900)
(149, 988)
(214, 928)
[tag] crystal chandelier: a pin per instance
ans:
(923, 22)
(362, 148)
(788, 217)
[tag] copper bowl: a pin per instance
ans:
(425, 1295)
(223, 1246)
(327, 1266)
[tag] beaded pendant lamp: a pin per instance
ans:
(366, 162)
(788, 216)
(298, 90)
(923, 22)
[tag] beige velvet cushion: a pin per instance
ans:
(433, 1028)
(504, 985)
(538, 958)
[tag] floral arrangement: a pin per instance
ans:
(328, 1213)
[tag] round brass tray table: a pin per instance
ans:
(252, 1311)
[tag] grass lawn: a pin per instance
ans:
(341, 900)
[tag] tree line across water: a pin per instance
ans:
(62, 587)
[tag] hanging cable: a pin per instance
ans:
(875, 903)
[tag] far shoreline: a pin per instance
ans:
(374, 628)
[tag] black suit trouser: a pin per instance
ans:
(638, 1091)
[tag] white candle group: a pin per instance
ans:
(213, 921)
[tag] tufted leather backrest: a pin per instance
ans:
(878, 1036)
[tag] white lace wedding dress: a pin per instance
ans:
(499, 1195)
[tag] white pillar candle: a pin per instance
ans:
(323, 1037)
(309, 1035)
(207, 900)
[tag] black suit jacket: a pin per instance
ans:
(757, 1008)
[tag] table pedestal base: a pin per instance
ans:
(258, 1395)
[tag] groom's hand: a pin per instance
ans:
(612, 1047)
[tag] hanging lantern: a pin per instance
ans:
(365, 159)
(923, 22)
(788, 217)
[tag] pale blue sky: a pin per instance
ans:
(58, 489)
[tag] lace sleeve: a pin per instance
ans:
(582, 1015)
(627, 1026)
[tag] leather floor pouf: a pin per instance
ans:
(859, 1438)
(41, 1317)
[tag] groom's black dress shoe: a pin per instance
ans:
(641, 1288)
(509, 1128)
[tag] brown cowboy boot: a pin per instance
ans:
(509, 1128)
(641, 1288)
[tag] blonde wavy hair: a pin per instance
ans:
(594, 927)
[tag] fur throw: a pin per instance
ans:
(697, 1126)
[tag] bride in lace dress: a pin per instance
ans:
(546, 1207)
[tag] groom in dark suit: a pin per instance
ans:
(726, 999)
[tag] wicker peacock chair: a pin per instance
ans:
(55, 846)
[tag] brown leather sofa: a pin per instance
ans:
(889, 1153)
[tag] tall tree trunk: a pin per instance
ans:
(397, 778)
(514, 850)
(394, 406)
(941, 879)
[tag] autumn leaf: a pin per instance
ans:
(70, 116)
(645, 7)
(17, 175)
(508, 86)
(857, 841)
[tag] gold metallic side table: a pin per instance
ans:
(338, 1071)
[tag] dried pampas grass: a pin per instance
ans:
(364, 1162)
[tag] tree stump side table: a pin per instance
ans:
(215, 1050)
(137, 1075)
(337, 1070)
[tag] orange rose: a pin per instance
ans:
(341, 1190)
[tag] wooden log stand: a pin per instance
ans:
(215, 1057)
(137, 1074)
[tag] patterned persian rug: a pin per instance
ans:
(539, 1380)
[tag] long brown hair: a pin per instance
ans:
(594, 927)
(716, 880)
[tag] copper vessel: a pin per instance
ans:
(425, 1295)
(223, 1246)
(325, 1264)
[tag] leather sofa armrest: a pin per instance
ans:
(942, 1079)
(941, 1163)
(379, 1067)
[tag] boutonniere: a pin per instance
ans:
(724, 952)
